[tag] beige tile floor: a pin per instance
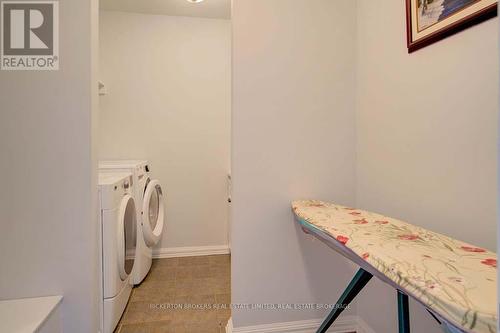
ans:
(201, 281)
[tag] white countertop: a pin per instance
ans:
(26, 315)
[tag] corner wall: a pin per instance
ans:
(426, 138)
(292, 137)
(49, 228)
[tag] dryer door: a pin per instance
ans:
(153, 211)
(127, 236)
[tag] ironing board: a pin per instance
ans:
(454, 280)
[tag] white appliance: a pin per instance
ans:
(150, 214)
(31, 315)
(119, 239)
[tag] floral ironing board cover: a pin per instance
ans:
(454, 280)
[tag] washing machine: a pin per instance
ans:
(119, 241)
(149, 195)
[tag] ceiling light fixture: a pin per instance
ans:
(195, 1)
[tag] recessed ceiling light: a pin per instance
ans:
(195, 1)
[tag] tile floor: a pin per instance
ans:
(204, 282)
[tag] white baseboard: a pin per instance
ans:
(194, 251)
(229, 326)
(363, 326)
(342, 325)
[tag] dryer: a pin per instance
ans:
(149, 196)
(119, 239)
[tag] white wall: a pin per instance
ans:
(49, 238)
(293, 137)
(169, 102)
(426, 133)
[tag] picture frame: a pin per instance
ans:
(428, 21)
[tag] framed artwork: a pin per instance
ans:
(428, 21)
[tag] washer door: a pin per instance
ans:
(127, 239)
(153, 211)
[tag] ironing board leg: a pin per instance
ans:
(355, 286)
(433, 316)
(403, 313)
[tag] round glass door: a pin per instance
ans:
(154, 208)
(127, 236)
(153, 213)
